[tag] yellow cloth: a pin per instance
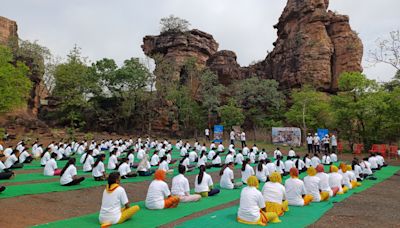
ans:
(265, 217)
(324, 196)
(279, 209)
(311, 171)
(111, 188)
(252, 181)
(307, 199)
(128, 213)
(345, 189)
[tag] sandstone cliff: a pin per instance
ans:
(314, 46)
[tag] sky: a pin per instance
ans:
(115, 29)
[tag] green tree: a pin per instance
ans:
(174, 24)
(14, 83)
(231, 115)
(262, 102)
(310, 110)
(210, 93)
(73, 89)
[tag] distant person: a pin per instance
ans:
(115, 208)
(207, 134)
(227, 177)
(68, 174)
(243, 139)
(334, 143)
(50, 169)
(310, 140)
(232, 137)
(316, 141)
(326, 142)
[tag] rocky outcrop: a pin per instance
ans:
(26, 118)
(177, 48)
(8, 31)
(314, 46)
(224, 64)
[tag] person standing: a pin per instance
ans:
(326, 144)
(243, 139)
(207, 134)
(232, 136)
(309, 143)
(334, 143)
(316, 143)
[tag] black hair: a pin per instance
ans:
(224, 167)
(278, 160)
(182, 169)
(183, 159)
(245, 162)
(98, 160)
(260, 165)
(215, 156)
(87, 155)
(112, 178)
(45, 150)
(201, 174)
(71, 161)
(53, 155)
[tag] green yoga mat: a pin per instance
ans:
(145, 218)
(297, 216)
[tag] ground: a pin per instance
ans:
(376, 206)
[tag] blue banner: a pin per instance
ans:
(322, 132)
(218, 133)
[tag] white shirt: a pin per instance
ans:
(263, 174)
(300, 164)
(204, 185)
(251, 201)
(288, 165)
(232, 135)
(228, 158)
(154, 160)
(271, 167)
(112, 162)
(221, 147)
(335, 180)
(274, 192)
(226, 179)
(312, 185)
(324, 183)
(131, 159)
(183, 151)
(243, 136)
(308, 163)
(49, 168)
(45, 158)
(248, 171)
(245, 151)
(87, 166)
(252, 157)
(217, 161)
(10, 161)
(23, 156)
(277, 153)
(68, 174)
(164, 166)
(309, 140)
(7, 152)
(211, 154)
(239, 159)
(140, 154)
(180, 185)
(373, 162)
(326, 159)
(111, 205)
(281, 167)
(294, 191)
(192, 156)
(124, 169)
(98, 170)
(158, 191)
(207, 132)
(315, 161)
(291, 153)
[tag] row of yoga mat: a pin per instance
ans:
(296, 217)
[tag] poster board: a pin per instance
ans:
(322, 132)
(218, 133)
(286, 136)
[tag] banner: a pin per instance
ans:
(218, 133)
(322, 132)
(286, 136)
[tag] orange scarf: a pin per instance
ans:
(111, 188)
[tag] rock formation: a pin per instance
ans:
(28, 117)
(314, 46)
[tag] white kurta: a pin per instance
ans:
(294, 191)
(251, 201)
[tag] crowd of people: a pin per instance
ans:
(131, 158)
